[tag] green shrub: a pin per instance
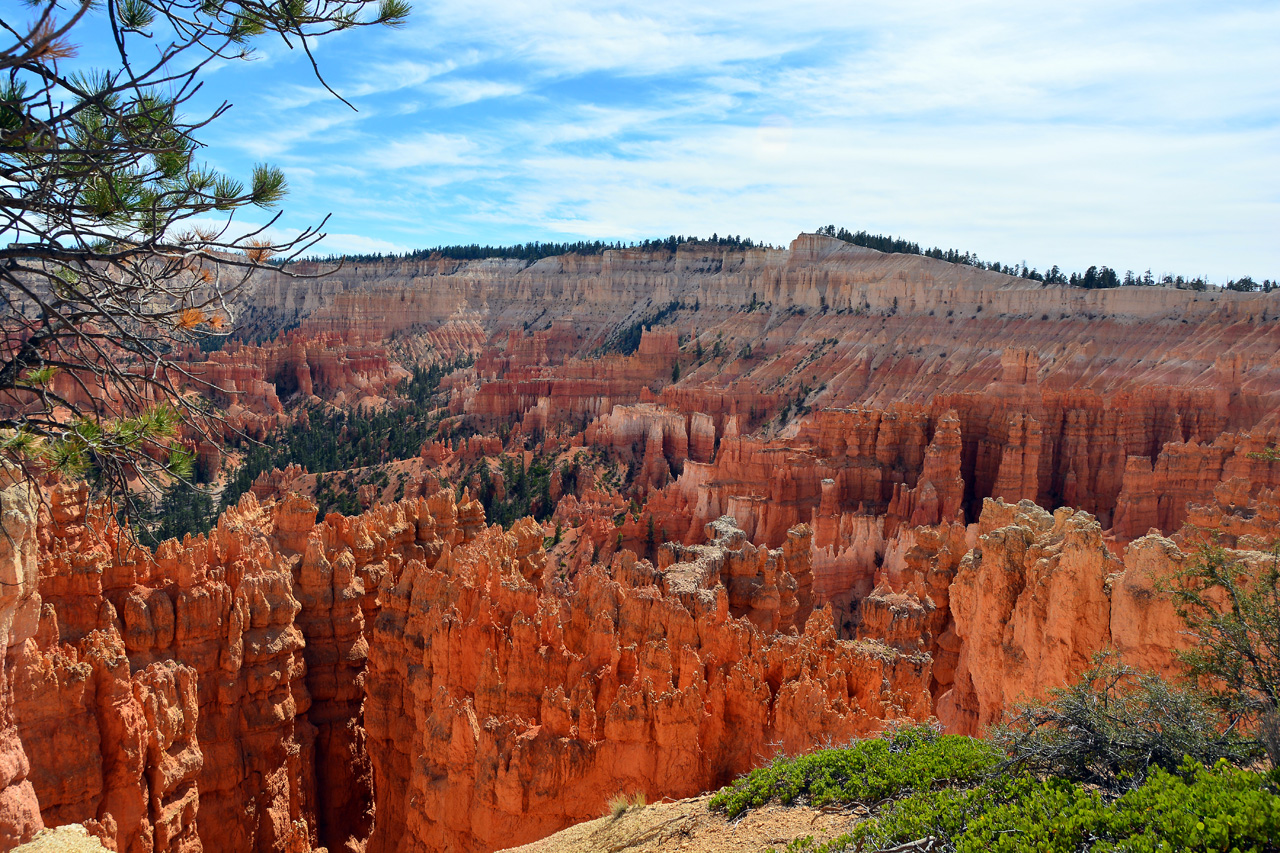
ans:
(1114, 725)
(1232, 609)
(914, 759)
(1197, 809)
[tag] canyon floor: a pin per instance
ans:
(502, 539)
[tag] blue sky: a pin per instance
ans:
(1134, 134)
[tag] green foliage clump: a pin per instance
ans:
(528, 492)
(339, 494)
(116, 253)
(914, 759)
(1196, 808)
(1232, 610)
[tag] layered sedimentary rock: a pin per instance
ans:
(378, 298)
(327, 365)
(1048, 393)
(1055, 388)
(1038, 596)
(1029, 606)
(216, 694)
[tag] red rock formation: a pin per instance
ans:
(410, 678)
(1235, 519)
(215, 696)
(519, 711)
(910, 605)
(1029, 607)
(19, 610)
(250, 380)
(545, 396)
(161, 697)
(1037, 596)
(654, 438)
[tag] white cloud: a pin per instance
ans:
(569, 38)
(358, 244)
(285, 136)
(1128, 133)
(428, 149)
(458, 91)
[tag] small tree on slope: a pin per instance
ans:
(1231, 605)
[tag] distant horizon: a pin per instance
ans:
(747, 243)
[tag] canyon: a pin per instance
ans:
(796, 496)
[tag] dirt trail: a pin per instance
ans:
(687, 826)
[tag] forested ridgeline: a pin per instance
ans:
(1095, 277)
(535, 251)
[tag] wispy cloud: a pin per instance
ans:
(428, 149)
(1135, 133)
(279, 138)
(456, 92)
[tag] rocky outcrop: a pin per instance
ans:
(1030, 609)
(805, 434)
(71, 838)
(251, 380)
(161, 698)
(1236, 518)
(772, 589)
(814, 273)
(403, 679)
(1037, 597)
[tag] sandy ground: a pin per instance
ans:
(686, 825)
(65, 839)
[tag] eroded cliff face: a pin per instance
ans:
(160, 691)
(19, 605)
(918, 388)
(412, 678)
(1029, 609)
(1040, 594)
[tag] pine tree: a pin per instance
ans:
(107, 274)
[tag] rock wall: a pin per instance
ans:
(844, 451)
(413, 679)
(162, 696)
(1037, 596)
(815, 271)
(1029, 609)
